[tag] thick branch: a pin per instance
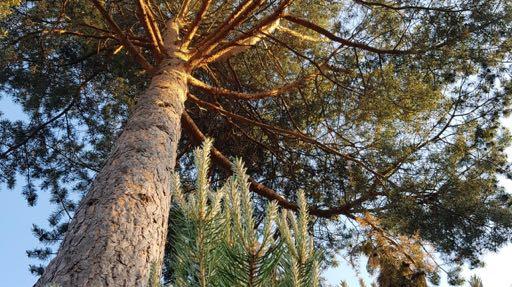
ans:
(250, 38)
(149, 28)
(123, 37)
(408, 7)
(243, 44)
(183, 10)
(299, 35)
(238, 16)
(251, 96)
(191, 31)
(332, 37)
(154, 25)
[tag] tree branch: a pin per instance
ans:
(343, 41)
(238, 16)
(299, 35)
(191, 31)
(150, 31)
(183, 10)
(408, 7)
(123, 37)
(289, 133)
(262, 190)
(264, 27)
(41, 127)
(251, 96)
(243, 44)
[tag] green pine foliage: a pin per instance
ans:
(5, 6)
(216, 239)
(475, 281)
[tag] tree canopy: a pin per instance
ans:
(389, 108)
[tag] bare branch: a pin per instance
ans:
(251, 96)
(238, 16)
(183, 10)
(154, 25)
(264, 27)
(408, 7)
(149, 28)
(343, 41)
(195, 24)
(123, 37)
(300, 35)
(243, 44)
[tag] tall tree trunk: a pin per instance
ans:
(118, 233)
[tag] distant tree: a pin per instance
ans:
(401, 261)
(389, 108)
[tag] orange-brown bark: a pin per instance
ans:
(118, 233)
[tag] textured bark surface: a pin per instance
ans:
(117, 235)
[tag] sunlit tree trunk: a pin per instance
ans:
(118, 233)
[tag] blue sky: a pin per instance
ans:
(16, 220)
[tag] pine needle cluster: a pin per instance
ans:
(216, 239)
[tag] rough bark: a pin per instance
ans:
(117, 235)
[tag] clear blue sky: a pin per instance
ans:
(16, 219)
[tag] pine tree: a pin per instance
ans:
(367, 106)
(401, 261)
